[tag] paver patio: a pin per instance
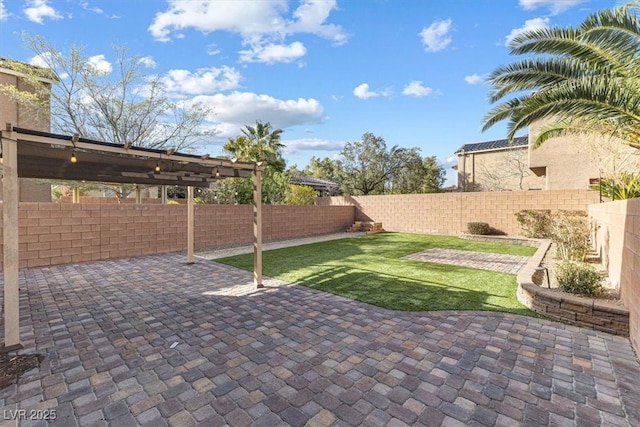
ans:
(483, 260)
(152, 341)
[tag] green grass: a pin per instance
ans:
(370, 269)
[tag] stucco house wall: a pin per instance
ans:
(10, 112)
(498, 170)
(572, 162)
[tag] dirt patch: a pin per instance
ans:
(13, 366)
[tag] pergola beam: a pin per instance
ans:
(103, 147)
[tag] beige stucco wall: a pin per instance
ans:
(571, 161)
(497, 170)
(11, 112)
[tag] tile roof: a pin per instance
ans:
(497, 144)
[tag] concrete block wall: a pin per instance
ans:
(616, 236)
(59, 233)
(449, 213)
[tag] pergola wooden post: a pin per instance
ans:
(257, 226)
(11, 246)
(190, 227)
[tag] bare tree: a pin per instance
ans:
(116, 103)
(509, 172)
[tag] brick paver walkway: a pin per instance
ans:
(482, 260)
(152, 341)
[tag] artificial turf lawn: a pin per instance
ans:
(370, 269)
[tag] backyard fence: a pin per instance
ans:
(449, 213)
(59, 233)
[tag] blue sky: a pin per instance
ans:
(327, 71)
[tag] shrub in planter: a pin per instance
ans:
(578, 278)
(481, 228)
(570, 231)
(534, 223)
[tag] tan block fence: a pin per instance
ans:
(616, 236)
(59, 233)
(449, 213)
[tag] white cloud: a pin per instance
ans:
(41, 60)
(555, 6)
(272, 53)
(148, 62)
(310, 18)
(417, 89)
(241, 17)
(312, 144)
(86, 6)
(100, 64)
(474, 79)
(530, 24)
(97, 62)
(436, 36)
(3, 12)
(363, 91)
(213, 49)
(263, 25)
(231, 112)
(36, 10)
(202, 81)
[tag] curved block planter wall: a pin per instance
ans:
(587, 312)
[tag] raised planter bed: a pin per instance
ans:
(592, 313)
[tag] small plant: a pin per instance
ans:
(534, 223)
(481, 228)
(578, 278)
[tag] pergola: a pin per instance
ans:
(31, 154)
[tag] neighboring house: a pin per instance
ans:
(30, 190)
(497, 165)
(571, 162)
(322, 186)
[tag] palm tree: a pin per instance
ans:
(582, 80)
(258, 144)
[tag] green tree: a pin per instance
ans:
(258, 144)
(582, 79)
(408, 178)
(300, 195)
(418, 175)
(325, 168)
(368, 165)
(434, 175)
